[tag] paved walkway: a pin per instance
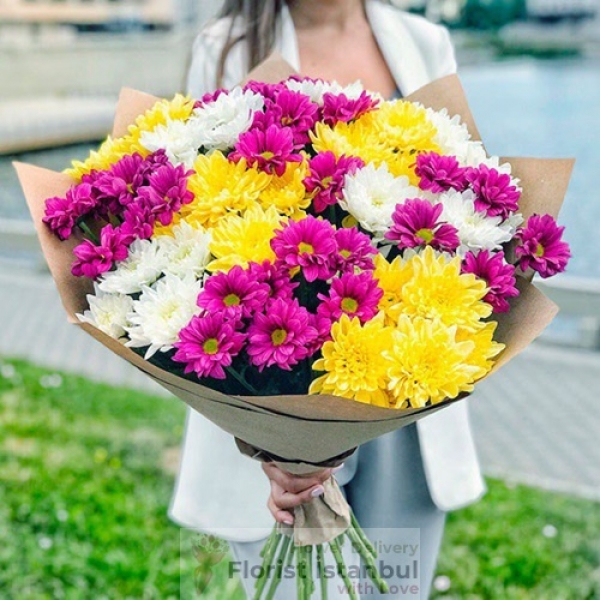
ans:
(536, 421)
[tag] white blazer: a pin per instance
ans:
(219, 490)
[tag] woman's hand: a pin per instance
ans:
(288, 491)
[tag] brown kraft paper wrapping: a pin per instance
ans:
(303, 428)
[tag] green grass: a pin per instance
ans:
(86, 474)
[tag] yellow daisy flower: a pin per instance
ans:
(237, 240)
(391, 278)
(438, 290)
(428, 363)
(485, 349)
(221, 187)
(354, 363)
(287, 193)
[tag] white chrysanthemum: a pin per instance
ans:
(315, 90)
(371, 194)
(219, 124)
(186, 251)
(142, 266)
(108, 312)
(476, 230)
(177, 138)
(161, 312)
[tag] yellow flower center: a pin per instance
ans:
(539, 251)
(210, 346)
(267, 154)
(425, 234)
(326, 182)
(305, 248)
(231, 300)
(344, 253)
(349, 305)
(278, 337)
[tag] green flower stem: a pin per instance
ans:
(310, 582)
(88, 232)
(365, 540)
(238, 377)
(334, 546)
(299, 576)
(321, 571)
(269, 541)
(283, 555)
(368, 560)
(291, 556)
(267, 565)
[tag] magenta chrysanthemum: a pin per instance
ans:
(208, 344)
(289, 109)
(166, 192)
(281, 336)
(308, 244)
(93, 260)
(352, 295)
(117, 187)
(269, 150)
(59, 216)
(354, 250)
(235, 293)
(326, 177)
(276, 276)
(416, 226)
(498, 275)
(440, 173)
(138, 222)
(338, 107)
(268, 91)
(495, 192)
(540, 246)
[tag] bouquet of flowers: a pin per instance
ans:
(306, 264)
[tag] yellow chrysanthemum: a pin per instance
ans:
(391, 278)
(438, 290)
(428, 363)
(237, 240)
(354, 363)
(110, 152)
(287, 193)
(220, 187)
(177, 109)
(485, 349)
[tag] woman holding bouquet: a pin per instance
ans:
(406, 479)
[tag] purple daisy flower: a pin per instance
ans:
(352, 295)
(440, 173)
(138, 222)
(281, 335)
(326, 177)
(276, 276)
(308, 244)
(235, 293)
(60, 217)
(354, 250)
(495, 192)
(497, 274)
(166, 192)
(416, 226)
(208, 344)
(338, 107)
(540, 246)
(269, 150)
(93, 260)
(269, 91)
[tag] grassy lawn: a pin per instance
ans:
(86, 473)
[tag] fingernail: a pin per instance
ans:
(338, 468)
(288, 521)
(318, 491)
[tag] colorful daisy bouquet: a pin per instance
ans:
(300, 249)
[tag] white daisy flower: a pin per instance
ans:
(315, 90)
(219, 124)
(476, 230)
(371, 194)
(108, 312)
(142, 266)
(179, 139)
(161, 312)
(186, 251)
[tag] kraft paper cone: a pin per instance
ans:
(303, 428)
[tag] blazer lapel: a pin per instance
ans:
(396, 43)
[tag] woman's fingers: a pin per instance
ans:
(281, 516)
(295, 484)
(281, 501)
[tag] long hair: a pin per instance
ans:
(260, 19)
